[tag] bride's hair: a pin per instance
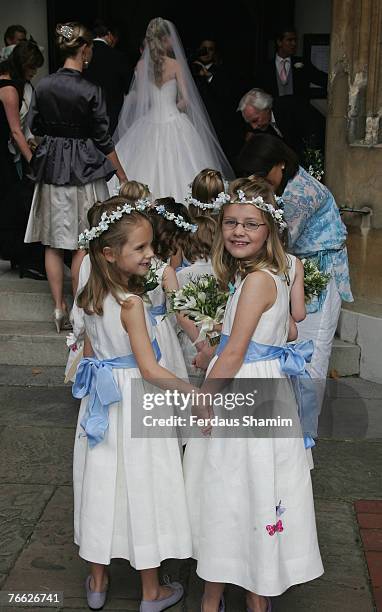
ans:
(156, 34)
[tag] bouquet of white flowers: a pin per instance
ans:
(315, 281)
(151, 278)
(203, 302)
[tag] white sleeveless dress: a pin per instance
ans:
(233, 486)
(172, 356)
(163, 149)
(129, 497)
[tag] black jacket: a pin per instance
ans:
(266, 77)
(69, 113)
(111, 70)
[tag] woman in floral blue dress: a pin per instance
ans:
(316, 232)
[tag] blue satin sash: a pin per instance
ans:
(293, 359)
(156, 311)
(95, 378)
(184, 264)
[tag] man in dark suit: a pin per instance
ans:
(262, 116)
(110, 69)
(219, 88)
(289, 75)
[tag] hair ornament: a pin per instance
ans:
(106, 220)
(66, 31)
(216, 204)
(277, 214)
(177, 219)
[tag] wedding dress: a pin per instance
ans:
(164, 135)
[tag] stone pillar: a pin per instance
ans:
(354, 121)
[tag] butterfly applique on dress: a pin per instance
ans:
(278, 526)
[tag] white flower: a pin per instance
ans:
(71, 341)
(298, 65)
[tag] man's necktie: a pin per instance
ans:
(283, 73)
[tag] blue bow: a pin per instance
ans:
(293, 359)
(184, 264)
(95, 378)
(156, 311)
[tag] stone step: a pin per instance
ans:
(345, 358)
(32, 376)
(28, 343)
(27, 300)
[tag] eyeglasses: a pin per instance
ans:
(250, 226)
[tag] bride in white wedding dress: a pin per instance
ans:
(164, 135)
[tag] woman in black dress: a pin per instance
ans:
(15, 73)
(73, 161)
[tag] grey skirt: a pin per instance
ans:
(58, 213)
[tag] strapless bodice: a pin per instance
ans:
(163, 101)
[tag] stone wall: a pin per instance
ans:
(354, 121)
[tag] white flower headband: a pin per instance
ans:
(106, 220)
(216, 204)
(177, 219)
(276, 213)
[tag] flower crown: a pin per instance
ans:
(216, 204)
(276, 213)
(107, 220)
(177, 219)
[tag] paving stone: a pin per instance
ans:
(348, 470)
(339, 541)
(3, 578)
(320, 595)
(36, 455)
(368, 506)
(51, 561)
(371, 539)
(377, 592)
(351, 419)
(20, 509)
(38, 407)
(374, 563)
(370, 521)
(353, 387)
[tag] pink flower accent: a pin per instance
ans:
(272, 529)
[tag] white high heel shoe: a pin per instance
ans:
(61, 320)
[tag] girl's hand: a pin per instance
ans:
(204, 412)
(203, 358)
(292, 332)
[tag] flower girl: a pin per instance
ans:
(205, 188)
(129, 498)
(250, 498)
(131, 191)
(170, 227)
(197, 250)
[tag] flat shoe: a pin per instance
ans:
(96, 601)
(165, 602)
(268, 608)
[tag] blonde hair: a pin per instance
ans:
(272, 255)
(71, 36)
(206, 186)
(133, 191)
(156, 31)
(105, 276)
(198, 245)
